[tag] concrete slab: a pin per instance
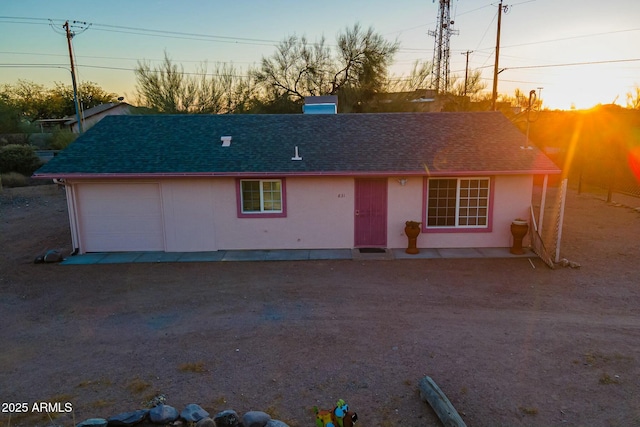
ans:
(158, 257)
(459, 253)
(504, 253)
(288, 255)
(120, 258)
(83, 259)
(330, 254)
(201, 256)
(245, 256)
(425, 253)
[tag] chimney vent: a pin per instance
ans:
(226, 141)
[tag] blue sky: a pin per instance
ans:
(535, 33)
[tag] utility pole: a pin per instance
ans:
(73, 76)
(466, 71)
(494, 97)
(540, 97)
(532, 100)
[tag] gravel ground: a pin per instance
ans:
(509, 344)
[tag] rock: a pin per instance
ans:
(93, 422)
(276, 423)
(206, 422)
(128, 418)
(193, 413)
(163, 414)
(255, 419)
(228, 418)
(53, 256)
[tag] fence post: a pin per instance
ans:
(563, 198)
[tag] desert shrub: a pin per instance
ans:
(18, 158)
(13, 179)
(62, 138)
(14, 138)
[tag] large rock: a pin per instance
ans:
(276, 423)
(193, 413)
(163, 414)
(206, 422)
(255, 419)
(228, 418)
(128, 418)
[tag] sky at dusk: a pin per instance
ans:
(541, 41)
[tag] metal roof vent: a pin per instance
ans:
(226, 141)
(296, 156)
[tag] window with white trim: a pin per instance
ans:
(261, 196)
(458, 202)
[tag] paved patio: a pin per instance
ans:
(288, 255)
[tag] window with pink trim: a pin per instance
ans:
(458, 203)
(261, 198)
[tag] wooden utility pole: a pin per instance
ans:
(466, 71)
(494, 97)
(73, 76)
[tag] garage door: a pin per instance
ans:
(120, 217)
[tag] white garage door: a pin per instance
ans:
(120, 217)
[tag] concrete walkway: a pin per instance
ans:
(287, 255)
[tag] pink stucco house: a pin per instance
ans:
(223, 182)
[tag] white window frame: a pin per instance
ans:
(459, 200)
(262, 211)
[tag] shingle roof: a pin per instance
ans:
(410, 143)
(95, 110)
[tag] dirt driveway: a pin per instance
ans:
(509, 344)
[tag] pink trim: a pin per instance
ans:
(241, 214)
(372, 174)
(425, 199)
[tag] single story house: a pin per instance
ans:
(180, 183)
(93, 115)
(90, 117)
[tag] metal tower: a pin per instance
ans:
(442, 34)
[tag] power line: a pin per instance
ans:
(66, 67)
(573, 64)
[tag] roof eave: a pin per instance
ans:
(288, 173)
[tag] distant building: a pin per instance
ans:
(90, 117)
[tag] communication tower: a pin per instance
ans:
(442, 34)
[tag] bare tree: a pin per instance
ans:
(473, 87)
(297, 68)
(357, 68)
(168, 89)
(418, 78)
(363, 59)
(633, 99)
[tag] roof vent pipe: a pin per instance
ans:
(297, 156)
(226, 141)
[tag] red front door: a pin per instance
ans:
(371, 213)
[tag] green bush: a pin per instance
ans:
(13, 179)
(62, 138)
(18, 158)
